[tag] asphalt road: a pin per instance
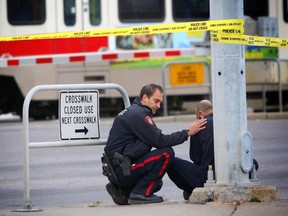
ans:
(72, 176)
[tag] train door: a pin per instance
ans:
(78, 15)
(95, 14)
(75, 15)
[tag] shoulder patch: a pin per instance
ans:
(149, 120)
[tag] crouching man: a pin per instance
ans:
(134, 169)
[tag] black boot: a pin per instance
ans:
(141, 199)
(117, 194)
(186, 195)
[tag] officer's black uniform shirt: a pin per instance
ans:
(135, 123)
(202, 147)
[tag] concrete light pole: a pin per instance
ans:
(233, 144)
(231, 137)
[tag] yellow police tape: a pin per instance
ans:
(223, 31)
(138, 30)
(249, 40)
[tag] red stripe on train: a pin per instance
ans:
(52, 46)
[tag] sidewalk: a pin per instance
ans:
(179, 208)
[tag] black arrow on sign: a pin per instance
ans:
(85, 130)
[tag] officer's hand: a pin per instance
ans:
(196, 126)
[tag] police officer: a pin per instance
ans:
(131, 139)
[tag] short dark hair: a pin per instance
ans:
(203, 105)
(149, 90)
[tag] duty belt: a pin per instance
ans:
(109, 164)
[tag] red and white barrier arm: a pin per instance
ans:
(92, 57)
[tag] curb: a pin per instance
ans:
(228, 194)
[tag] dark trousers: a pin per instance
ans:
(186, 175)
(146, 172)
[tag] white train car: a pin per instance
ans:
(21, 17)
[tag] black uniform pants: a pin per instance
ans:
(146, 172)
(186, 175)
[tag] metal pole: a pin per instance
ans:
(229, 100)
(25, 116)
(165, 104)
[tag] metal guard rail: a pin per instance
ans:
(65, 143)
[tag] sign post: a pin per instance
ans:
(79, 115)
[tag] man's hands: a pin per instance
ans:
(196, 126)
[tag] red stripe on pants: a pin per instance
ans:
(163, 168)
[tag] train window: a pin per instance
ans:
(141, 11)
(255, 12)
(188, 10)
(285, 10)
(95, 12)
(69, 12)
(26, 12)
